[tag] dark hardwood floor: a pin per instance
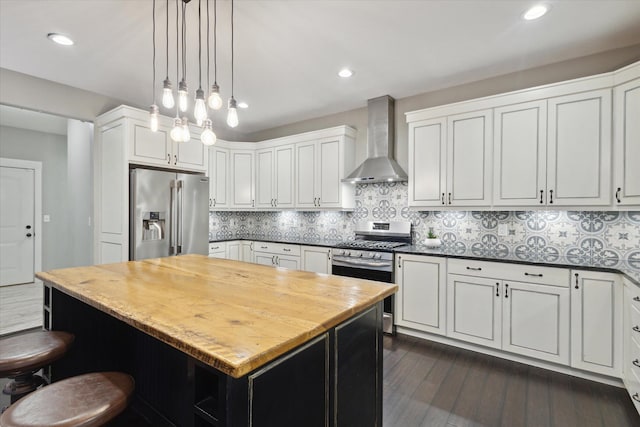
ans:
(431, 384)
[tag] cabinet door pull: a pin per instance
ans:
(214, 202)
(497, 289)
(577, 281)
(277, 260)
(533, 274)
(636, 328)
(286, 249)
(318, 201)
(449, 198)
(273, 260)
(636, 397)
(263, 247)
(443, 198)
(541, 195)
(551, 196)
(210, 202)
(399, 262)
(474, 268)
(275, 202)
(175, 159)
(636, 298)
(636, 362)
(618, 194)
(253, 203)
(506, 291)
(168, 158)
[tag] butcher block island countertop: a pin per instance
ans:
(230, 315)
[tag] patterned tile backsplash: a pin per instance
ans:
(587, 238)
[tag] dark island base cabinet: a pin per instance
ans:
(334, 379)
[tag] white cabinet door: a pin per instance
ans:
(290, 262)
(520, 154)
(218, 250)
(233, 250)
(283, 176)
(150, 147)
(427, 162)
(242, 190)
(579, 150)
(305, 181)
(265, 197)
(626, 113)
(474, 310)
(190, 155)
(536, 321)
(218, 177)
(246, 249)
(316, 259)
(469, 145)
(264, 258)
(328, 184)
(421, 298)
(596, 322)
(631, 342)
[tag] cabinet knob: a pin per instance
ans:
(168, 159)
(498, 289)
(577, 281)
(636, 362)
(636, 397)
(541, 196)
(551, 196)
(28, 227)
(449, 198)
(618, 194)
(29, 234)
(636, 298)
(506, 291)
(443, 198)
(175, 159)
(636, 328)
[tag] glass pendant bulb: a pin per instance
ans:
(186, 135)
(176, 131)
(183, 96)
(200, 110)
(232, 116)
(167, 94)
(153, 118)
(208, 137)
(215, 101)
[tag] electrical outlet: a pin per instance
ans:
(233, 222)
(46, 218)
(502, 230)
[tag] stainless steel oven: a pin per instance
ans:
(370, 257)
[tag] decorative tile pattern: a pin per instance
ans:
(607, 239)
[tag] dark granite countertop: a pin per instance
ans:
(630, 268)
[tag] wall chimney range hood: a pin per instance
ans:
(379, 165)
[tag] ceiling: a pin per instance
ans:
(288, 52)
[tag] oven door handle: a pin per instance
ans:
(350, 261)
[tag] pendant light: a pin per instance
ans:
(200, 110)
(183, 91)
(232, 116)
(214, 101)
(208, 137)
(153, 110)
(167, 92)
(176, 131)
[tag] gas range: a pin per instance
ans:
(374, 245)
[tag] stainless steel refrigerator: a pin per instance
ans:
(168, 214)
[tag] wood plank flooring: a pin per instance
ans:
(431, 384)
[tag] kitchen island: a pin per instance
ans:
(220, 342)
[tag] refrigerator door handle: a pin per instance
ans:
(172, 218)
(180, 203)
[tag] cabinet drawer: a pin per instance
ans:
(507, 271)
(217, 247)
(277, 248)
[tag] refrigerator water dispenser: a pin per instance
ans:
(153, 224)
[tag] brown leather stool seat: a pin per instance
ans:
(86, 400)
(22, 355)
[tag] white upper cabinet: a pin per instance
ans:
(158, 149)
(218, 177)
(520, 154)
(449, 160)
(579, 149)
(274, 177)
(242, 179)
(626, 137)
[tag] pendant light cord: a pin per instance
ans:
(199, 45)
(215, 42)
(167, 34)
(208, 70)
(232, 48)
(177, 55)
(184, 42)
(153, 88)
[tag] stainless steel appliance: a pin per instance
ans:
(370, 256)
(168, 214)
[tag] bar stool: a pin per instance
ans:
(85, 400)
(21, 356)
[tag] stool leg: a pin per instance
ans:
(22, 385)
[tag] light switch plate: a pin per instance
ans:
(46, 218)
(502, 230)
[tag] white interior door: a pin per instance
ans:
(17, 203)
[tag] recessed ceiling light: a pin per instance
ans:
(60, 39)
(535, 12)
(243, 105)
(345, 72)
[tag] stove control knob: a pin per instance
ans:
(377, 256)
(347, 253)
(372, 255)
(359, 254)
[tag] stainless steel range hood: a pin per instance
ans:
(379, 165)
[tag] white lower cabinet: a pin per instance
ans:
(277, 255)
(218, 250)
(596, 322)
(531, 319)
(421, 298)
(631, 341)
(316, 259)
